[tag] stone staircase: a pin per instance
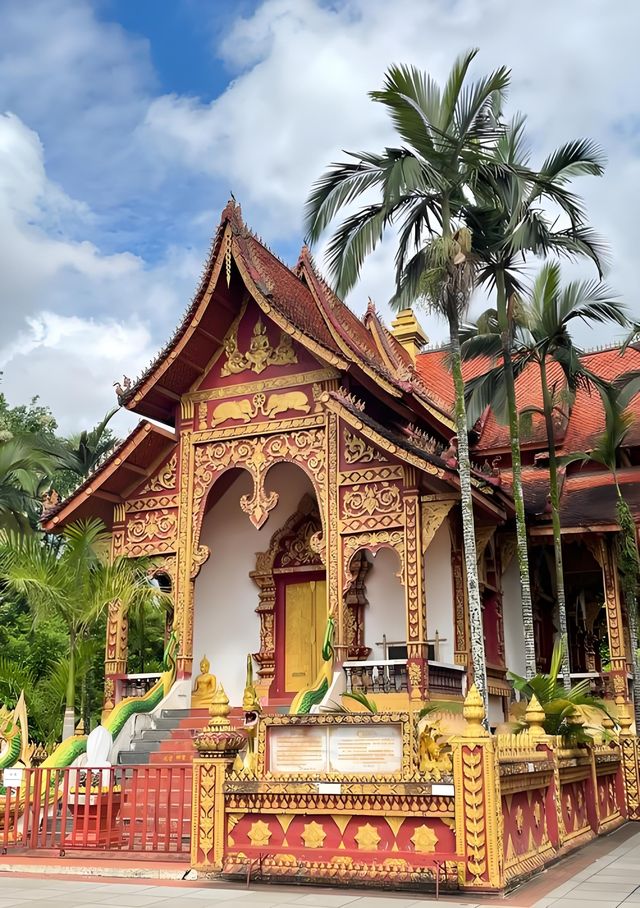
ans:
(169, 742)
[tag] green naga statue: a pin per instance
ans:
(14, 735)
(71, 748)
(315, 693)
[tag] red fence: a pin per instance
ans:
(123, 808)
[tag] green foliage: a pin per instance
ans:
(24, 476)
(448, 706)
(359, 696)
(25, 419)
(571, 713)
(73, 583)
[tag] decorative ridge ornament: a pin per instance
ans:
(219, 739)
(534, 717)
(473, 711)
(260, 354)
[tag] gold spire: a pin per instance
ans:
(407, 331)
(219, 709)
(534, 717)
(473, 711)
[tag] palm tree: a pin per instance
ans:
(447, 139)
(508, 223)
(79, 455)
(575, 713)
(542, 337)
(24, 469)
(74, 581)
(616, 398)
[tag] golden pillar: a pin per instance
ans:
(479, 834)
(334, 556)
(117, 637)
(183, 619)
(415, 606)
(613, 605)
(218, 745)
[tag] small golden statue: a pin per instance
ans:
(204, 687)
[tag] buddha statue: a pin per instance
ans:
(204, 687)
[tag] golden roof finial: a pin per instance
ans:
(219, 709)
(407, 331)
(473, 711)
(534, 717)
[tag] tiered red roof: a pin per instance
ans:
(587, 493)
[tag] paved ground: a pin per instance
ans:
(606, 874)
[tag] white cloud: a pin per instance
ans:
(71, 363)
(107, 191)
(72, 360)
(304, 69)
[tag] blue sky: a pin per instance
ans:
(124, 124)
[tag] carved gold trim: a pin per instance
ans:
(260, 354)
(433, 514)
(250, 430)
(267, 384)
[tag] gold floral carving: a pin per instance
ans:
(424, 839)
(433, 514)
(165, 478)
(376, 539)
(259, 834)
(356, 450)
(519, 819)
(483, 538)
(257, 455)
(474, 809)
(260, 354)
(117, 639)
(366, 500)
(413, 571)
(152, 531)
(204, 816)
(313, 835)
(367, 837)
(537, 814)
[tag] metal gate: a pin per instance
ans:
(122, 808)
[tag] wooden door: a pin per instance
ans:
(305, 612)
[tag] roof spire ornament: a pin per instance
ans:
(407, 331)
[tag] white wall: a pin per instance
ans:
(512, 619)
(226, 626)
(438, 584)
(385, 613)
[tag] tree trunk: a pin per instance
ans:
(141, 629)
(628, 569)
(516, 468)
(71, 680)
(557, 531)
(69, 721)
(468, 524)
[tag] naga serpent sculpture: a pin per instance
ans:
(315, 693)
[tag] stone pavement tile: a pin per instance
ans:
(130, 901)
(611, 874)
(591, 894)
(333, 899)
(216, 892)
(10, 901)
(263, 894)
(620, 885)
(582, 902)
(381, 901)
(35, 903)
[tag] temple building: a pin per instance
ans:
(294, 461)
